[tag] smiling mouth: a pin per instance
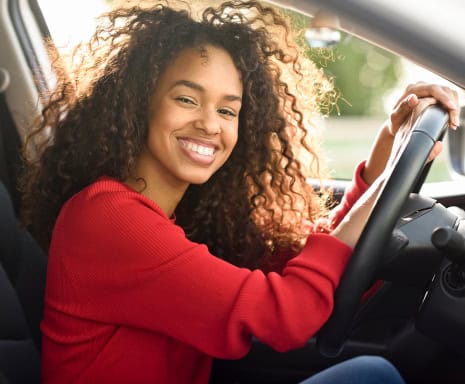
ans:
(198, 148)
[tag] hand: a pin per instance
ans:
(408, 101)
(402, 134)
(447, 97)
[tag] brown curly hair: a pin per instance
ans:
(96, 123)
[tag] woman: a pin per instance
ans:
(179, 142)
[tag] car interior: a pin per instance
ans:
(22, 272)
(412, 253)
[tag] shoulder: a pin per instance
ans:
(109, 197)
(107, 192)
(109, 206)
(108, 217)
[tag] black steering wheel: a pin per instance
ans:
(407, 175)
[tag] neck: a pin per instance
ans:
(166, 198)
(152, 181)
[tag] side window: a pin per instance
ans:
(71, 22)
(369, 81)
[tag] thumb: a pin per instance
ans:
(435, 151)
(402, 111)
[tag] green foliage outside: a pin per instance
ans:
(362, 72)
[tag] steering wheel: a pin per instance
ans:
(407, 175)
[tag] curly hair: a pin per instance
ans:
(96, 123)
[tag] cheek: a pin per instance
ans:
(234, 141)
(152, 133)
(232, 138)
(159, 128)
(162, 119)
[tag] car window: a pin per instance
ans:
(71, 22)
(368, 80)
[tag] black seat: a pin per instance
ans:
(22, 284)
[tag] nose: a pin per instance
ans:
(209, 122)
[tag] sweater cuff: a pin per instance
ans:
(358, 181)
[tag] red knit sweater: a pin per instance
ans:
(130, 300)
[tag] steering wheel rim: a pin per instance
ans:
(367, 255)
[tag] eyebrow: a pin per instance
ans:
(198, 87)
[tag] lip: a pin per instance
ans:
(201, 152)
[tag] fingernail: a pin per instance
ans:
(454, 123)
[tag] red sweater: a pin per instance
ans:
(130, 300)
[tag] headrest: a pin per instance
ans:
(9, 234)
(12, 323)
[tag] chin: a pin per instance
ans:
(197, 175)
(197, 179)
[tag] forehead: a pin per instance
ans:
(208, 66)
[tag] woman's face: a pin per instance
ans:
(194, 112)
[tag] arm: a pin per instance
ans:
(402, 111)
(367, 172)
(356, 189)
(383, 156)
(142, 272)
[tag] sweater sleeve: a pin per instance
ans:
(126, 264)
(351, 195)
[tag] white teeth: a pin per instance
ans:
(200, 149)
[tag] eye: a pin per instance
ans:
(227, 112)
(185, 100)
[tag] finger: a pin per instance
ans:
(437, 149)
(402, 111)
(448, 98)
(443, 94)
(454, 113)
(410, 89)
(409, 110)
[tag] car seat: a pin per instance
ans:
(22, 285)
